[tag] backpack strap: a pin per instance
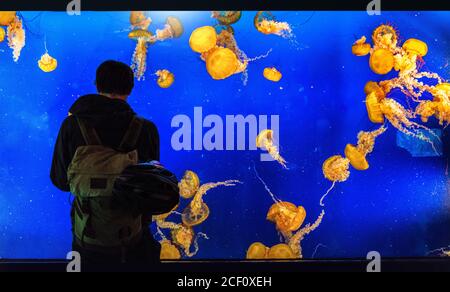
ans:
(132, 135)
(90, 136)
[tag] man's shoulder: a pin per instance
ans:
(148, 125)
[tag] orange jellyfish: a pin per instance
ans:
(165, 78)
(222, 63)
(265, 23)
(438, 107)
(374, 109)
(416, 47)
(197, 211)
(47, 63)
(7, 17)
(2, 34)
(385, 37)
(257, 251)
(16, 37)
(272, 74)
(382, 61)
(139, 20)
(265, 141)
(366, 143)
(281, 252)
(189, 185)
(335, 169)
(287, 217)
(203, 39)
(227, 17)
(139, 61)
(172, 29)
(169, 251)
(360, 48)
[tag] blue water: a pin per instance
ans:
(400, 207)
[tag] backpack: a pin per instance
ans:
(97, 219)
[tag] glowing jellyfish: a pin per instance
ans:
(417, 47)
(2, 34)
(7, 17)
(172, 29)
(227, 17)
(265, 23)
(203, 39)
(47, 63)
(382, 61)
(366, 142)
(189, 185)
(139, 20)
(222, 63)
(281, 252)
(197, 211)
(265, 141)
(165, 78)
(169, 251)
(16, 37)
(272, 74)
(257, 251)
(374, 109)
(335, 169)
(385, 36)
(373, 87)
(287, 217)
(139, 61)
(360, 48)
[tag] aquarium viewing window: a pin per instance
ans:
(294, 135)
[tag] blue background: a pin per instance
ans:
(399, 207)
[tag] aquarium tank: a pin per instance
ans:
(295, 135)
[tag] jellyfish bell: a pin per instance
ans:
(264, 138)
(357, 159)
(195, 216)
(203, 39)
(189, 185)
(272, 74)
(281, 252)
(169, 251)
(138, 19)
(265, 23)
(336, 169)
(7, 17)
(257, 251)
(141, 34)
(222, 63)
(385, 36)
(360, 48)
(175, 25)
(382, 61)
(183, 237)
(2, 34)
(416, 47)
(227, 17)
(374, 87)
(47, 63)
(286, 216)
(374, 111)
(165, 78)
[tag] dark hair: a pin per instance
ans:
(114, 78)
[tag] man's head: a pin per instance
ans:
(114, 79)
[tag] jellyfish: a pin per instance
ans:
(281, 251)
(139, 20)
(197, 211)
(265, 141)
(169, 251)
(139, 61)
(47, 63)
(360, 48)
(287, 217)
(257, 251)
(227, 17)
(439, 107)
(2, 34)
(189, 185)
(172, 29)
(165, 78)
(382, 61)
(366, 143)
(272, 74)
(7, 17)
(222, 63)
(265, 23)
(16, 37)
(385, 37)
(335, 169)
(374, 109)
(416, 47)
(203, 39)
